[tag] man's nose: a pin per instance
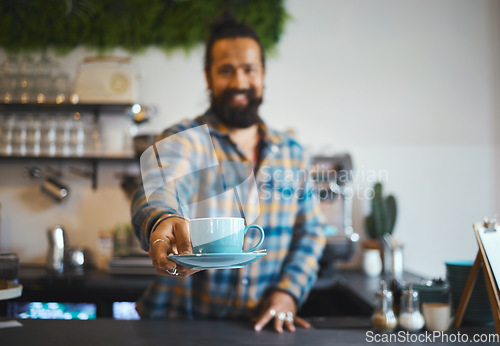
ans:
(239, 80)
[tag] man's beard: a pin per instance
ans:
(236, 117)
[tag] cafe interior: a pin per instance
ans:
(394, 102)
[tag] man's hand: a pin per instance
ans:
(281, 307)
(171, 236)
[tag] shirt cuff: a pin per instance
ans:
(294, 290)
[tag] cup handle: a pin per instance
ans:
(260, 240)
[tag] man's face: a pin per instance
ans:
(236, 80)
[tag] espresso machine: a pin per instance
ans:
(333, 182)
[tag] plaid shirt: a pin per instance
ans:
(289, 215)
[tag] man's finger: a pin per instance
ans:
(160, 270)
(289, 325)
(159, 251)
(263, 319)
(182, 240)
(278, 324)
(301, 322)
(168, 265)
(184, 273)
(185, 270)
(159, 245)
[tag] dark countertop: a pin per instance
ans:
(112, 332)
(352, 286)
(94, 287)
(362, 286)
(339, 292)
(37, 277)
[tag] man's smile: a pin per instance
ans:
(239, 99)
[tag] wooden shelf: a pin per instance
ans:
(65, 107)
(93, 160)
(129, 158)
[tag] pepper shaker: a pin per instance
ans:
(383, 319)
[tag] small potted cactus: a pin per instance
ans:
(378, 224)
(383, 214)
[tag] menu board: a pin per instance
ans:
(490, 237)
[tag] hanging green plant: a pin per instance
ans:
(134, 25)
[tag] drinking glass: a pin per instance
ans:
(44, 89)
(7, 88)
(77, 134)
(93, 144)
(10, 71)
(7, 134)
(19, 135)
(9, 266)
(48, 132)
(64, 123)
(33, 136)
(61, 88)
(26, 80)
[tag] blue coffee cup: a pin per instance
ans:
(221, 235)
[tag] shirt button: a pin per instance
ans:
(244, 281)
(274, 149)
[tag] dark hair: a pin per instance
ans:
(226, 26)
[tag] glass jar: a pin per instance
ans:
(410, 318)
(383, 319)
(9, 266)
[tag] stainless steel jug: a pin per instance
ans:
(57, 245)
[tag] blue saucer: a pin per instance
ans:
(217, 260)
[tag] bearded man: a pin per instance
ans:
(273, 288)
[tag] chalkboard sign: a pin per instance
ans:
(488, 239)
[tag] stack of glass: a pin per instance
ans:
(24, 79)
(58, 134)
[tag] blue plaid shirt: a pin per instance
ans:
(289, 215)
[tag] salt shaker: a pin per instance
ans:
(410, 318)
(383, 319)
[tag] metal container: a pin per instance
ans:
(77, 260)
(55, 189)
(57, 246)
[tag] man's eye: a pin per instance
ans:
(225, 71)
(249, 70)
